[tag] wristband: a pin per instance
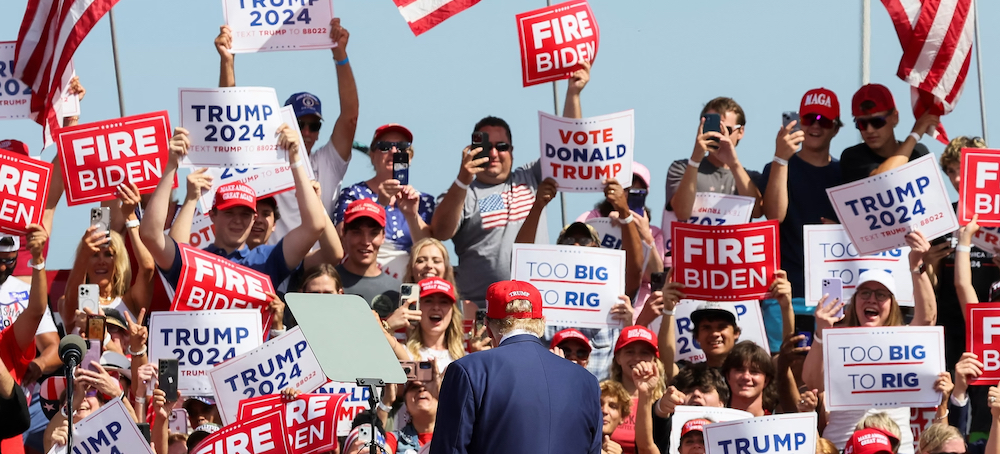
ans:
(343, 62)
(384, 407)
(277, 332)
(459, 183)
(297, 164)
(780, 161)
(39, 267)
(817, 340)
(963, 248)
(138, 353)
(627, 220)
(666, 312)
(132, 224)
(693, 163)
(915, 136)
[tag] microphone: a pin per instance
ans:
(71, 349)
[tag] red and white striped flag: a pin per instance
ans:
(937, 37)
(423, 15)
(50, 34)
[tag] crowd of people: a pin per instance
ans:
(371, 237)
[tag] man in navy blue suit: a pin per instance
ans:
(518, 397)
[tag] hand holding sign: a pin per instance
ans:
(224, 43)
(581, 154)
(555, 40)
(828, 313)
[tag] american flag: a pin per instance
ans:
(423, 15)
(937, 37)
(497, 210)
(50, 33)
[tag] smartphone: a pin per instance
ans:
(805, 325)
(480, 319)
(834, 287)
(89, 296)
(96, 327)
(101, 218)
(167, 378)
(411, 293)
(657, 281)
(144, 429)
(419, 371)
(401, 167)
(365, 433)
(637, 200)
(179, 421)
(93, 354)
(790, 116)
(481, 140)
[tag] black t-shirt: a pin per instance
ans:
(858, 162)
(807, 203)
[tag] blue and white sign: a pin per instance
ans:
(276, 25)
(685, 413)
(882, 367)
(790, 433)
(711, 209)
(357, 402)
(829, 253)
(231, 127)
(580, 153)
(880, 210)
(748, 318)
(109, 429)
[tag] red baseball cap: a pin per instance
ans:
(637, 333)
(877, 94)
(435, 285)
(14, 145)
(820, 101)
(694, 425)
(567, 334)
(869, 441)
(365, 208)
(393, 127)
(503, 292)
(235, 194)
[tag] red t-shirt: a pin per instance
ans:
(624, 435)
(16, 361)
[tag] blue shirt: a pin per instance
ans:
(266, 259)
(397, 231)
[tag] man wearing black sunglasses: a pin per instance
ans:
(876, 117)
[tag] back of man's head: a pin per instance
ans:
(514, 305)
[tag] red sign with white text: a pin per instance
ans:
(263, 434)
(555, 39)
(725, 263)
(211, 282)
(24, 188)
(98, 157)
(311, 423)
(979, 190)
(983, 338)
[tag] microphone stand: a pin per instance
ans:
(373, 385)
(70, 367)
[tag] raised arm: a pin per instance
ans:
(826, 317)
(197, 182)
(577, 81)
(448, 215)
(330, 248)
(993, 443)
(300, 240)
(667, 338)
(776, 193)
(347, 122)
(646, 378)
(92, 242)
(683, 199)
(408, 201)
(140, 294)
(631, 240)
(926, 124)
(745, 186)
(227, 60)
(963, 265)
(924, 301)
(781, 290)
(160, 245)
(547, 191)
(27, 323)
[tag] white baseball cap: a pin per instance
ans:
(879, 276)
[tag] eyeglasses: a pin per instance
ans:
(576, 240)
(384, 147)
(880, 295)
(875, 122)
(580, 353)
(502, 147)
(811, 119)
(312, 125)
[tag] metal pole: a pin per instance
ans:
(555, 109)
(979, 70)
(118, 72)
(866, 37)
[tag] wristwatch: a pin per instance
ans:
(920, 269)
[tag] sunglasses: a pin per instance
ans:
(9, 262)
(811, 119)
(576, 240)
(384, 147)
(502, 147)
(312, 125)
(579, 353)
(733, 128)
(875, 122)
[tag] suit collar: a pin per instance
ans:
(521, 338)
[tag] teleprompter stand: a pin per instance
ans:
(349, 344)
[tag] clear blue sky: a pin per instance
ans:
(664, 59)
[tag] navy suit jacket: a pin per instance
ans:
(518, 398)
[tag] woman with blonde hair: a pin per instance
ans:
(637, 355)
(941, 438)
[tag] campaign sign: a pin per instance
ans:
(211, 282)
(579, 285)
(200, 340)
(829, 253)
(987, 239)
(979, 190)
(109, 429)
(231, 127)
(279, 363)
(608, 232)
(265, 181)
(15, 96)
(889, 366)
(262, 434)
(786, 433)
(983, 339)
(311, 423)
(202, 230)
(748, 318)
(685, 413)
(98, 157)
(880, 210)
(726, 263)
(555, 40)
(921, 419)
(356, 402)
(260, 26)
(581, 153)
(24, 188)
(710, 208)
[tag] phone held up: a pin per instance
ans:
(713, 123)
(481, 140)
(637, 200)
(401, 167)
(89, 297)
(657, 281)
(418, 371)
(834, 287)
(167, 378)
(101, 218)
(788, 117)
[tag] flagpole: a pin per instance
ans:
(555, 108)
(114, 51)
(866, 36)
(979, 70)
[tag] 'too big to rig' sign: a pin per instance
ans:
(555, 40)
(728, 263)
(581, 153)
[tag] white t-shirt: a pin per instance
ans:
(330, 169)
(14, 300)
